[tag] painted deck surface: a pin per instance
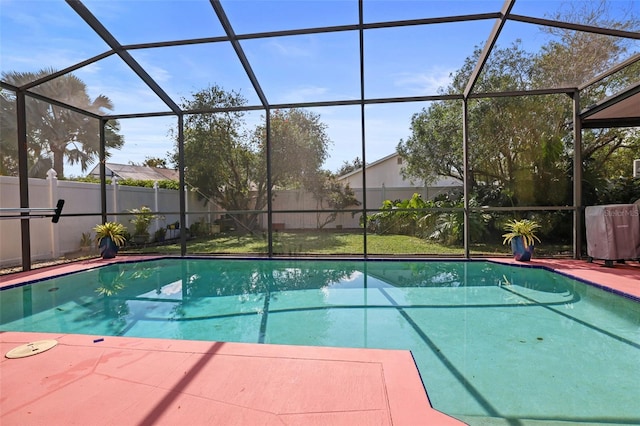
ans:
(124, 381)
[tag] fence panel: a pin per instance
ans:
(50, 240)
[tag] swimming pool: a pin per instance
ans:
(489, 340)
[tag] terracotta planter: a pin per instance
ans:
(520, 252)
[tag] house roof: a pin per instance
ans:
(128, 171)
(440, 181)
(619, 110)
(369, 165)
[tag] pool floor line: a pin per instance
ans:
(574, 319)
(265, 316)
(491, 410)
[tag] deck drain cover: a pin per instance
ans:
(33, 348)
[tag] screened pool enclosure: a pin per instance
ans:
(314, 127)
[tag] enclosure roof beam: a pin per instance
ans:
(43, 98)
(315, 30)
(635, 58)
(576, 27)
(140, 115)
(97, 26)
(530, 92)
(222, 17)
(488, 47)
(354, 102)
(347, 102)
(67, 70)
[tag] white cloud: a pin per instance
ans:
(424, 83)
(303, 94)
(290, 48)
(158, 73)
(90, 69)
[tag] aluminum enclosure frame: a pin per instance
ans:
(582, 119)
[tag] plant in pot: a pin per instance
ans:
(86, 241)
(160, 234)
(141, 222)
(110, 237)
(521, 234)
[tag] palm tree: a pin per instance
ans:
(56, 133)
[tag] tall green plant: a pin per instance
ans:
(142, 220)
(398, 217)
(447, 227)
(114, 230)
(524, 228)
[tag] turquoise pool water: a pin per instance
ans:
(490, 340)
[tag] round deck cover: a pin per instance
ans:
(33, 348)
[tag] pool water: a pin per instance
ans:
(489, 340)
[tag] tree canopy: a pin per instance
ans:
(227, 162)
(349, 166)
(523, 144)
(54, 134)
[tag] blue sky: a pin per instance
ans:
(398, 62)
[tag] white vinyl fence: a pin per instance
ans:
(302, 200)
(50, 240)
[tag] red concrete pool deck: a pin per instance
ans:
(131, 381)
(623, 277)
(102, 380)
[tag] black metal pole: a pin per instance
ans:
(465, 183)
(103, 173)
(183, 203)
(23, 178)
(269, 183)
(363, 128)
(577, 177)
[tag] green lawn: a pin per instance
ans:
(330, 243)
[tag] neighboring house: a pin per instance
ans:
(385, 182)
(387, 173)
(127, 171)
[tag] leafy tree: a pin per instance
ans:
(349, 166)
(326, 189)
(506, 135)
(435, 145)
(624, 190)
(161, 163)
(8, 135)
(54, 133)
(221, 161)
(227, 163)
(574, 58)
(299, 147)
(523, 145)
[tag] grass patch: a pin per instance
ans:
(334, 243)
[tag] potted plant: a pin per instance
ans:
(160, 234)
(521, 234)
(86, 241)
(110, 237)
(141, 222)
